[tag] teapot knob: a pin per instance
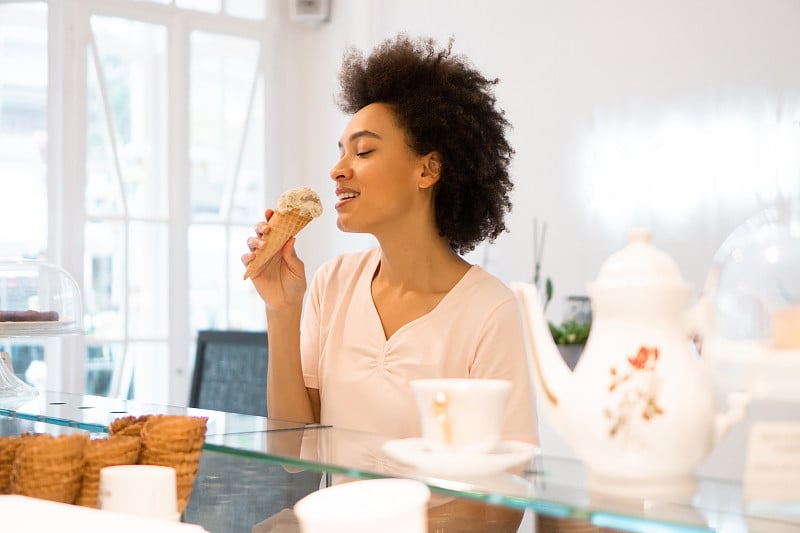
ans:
(640, 235)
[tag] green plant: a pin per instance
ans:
(570, 332)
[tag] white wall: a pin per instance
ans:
(679, 115)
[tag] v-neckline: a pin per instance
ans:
(376, 315)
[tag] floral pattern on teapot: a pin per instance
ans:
(634, 393)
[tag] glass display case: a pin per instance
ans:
(753, 305)
(243, 473)
(37, 299)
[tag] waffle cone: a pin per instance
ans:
(99, 453)
(8, 449)
(49, 468)
(282, 227)
(175, 441)
(128, 425)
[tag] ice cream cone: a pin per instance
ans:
(282, 227)
(295, 209)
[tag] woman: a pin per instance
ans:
(423, 166)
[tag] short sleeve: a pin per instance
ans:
(501, 354)
(310, 342)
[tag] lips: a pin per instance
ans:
(345, 195)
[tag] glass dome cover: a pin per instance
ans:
(38, 299)
(754, 302)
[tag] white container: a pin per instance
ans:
(385, 505)
(144, 490)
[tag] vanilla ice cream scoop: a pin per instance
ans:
(295, 209)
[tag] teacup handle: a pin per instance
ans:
(441, 411)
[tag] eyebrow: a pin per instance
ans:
(359, 134)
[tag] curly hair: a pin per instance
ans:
(444, 105)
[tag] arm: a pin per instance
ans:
(282, 284)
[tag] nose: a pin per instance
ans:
(340, 171)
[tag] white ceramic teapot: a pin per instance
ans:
(639, 408)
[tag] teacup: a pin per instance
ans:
(461, 415)
(385, 505)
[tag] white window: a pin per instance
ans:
(157, 166)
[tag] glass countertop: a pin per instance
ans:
(547, 485)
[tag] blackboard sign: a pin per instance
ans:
(230, 372)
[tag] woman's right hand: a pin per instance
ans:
(282, 282)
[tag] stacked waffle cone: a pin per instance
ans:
(67, 468)
(176, 441)
(8, 449)
(48, 467)
(100, 453)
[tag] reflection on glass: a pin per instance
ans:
(23, 129)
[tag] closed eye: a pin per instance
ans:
(364, 153)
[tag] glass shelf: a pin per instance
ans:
(546, 485)
(95, 413)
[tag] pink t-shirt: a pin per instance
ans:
(363, 379)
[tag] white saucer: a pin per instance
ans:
(459, 464)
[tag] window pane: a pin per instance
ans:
(200, 5)
(252, 9)
(27, 358)
(148, 277)
(23, 129)
(246, 307)
(248, 200)
(150, 372)
(223, 70)
(104, 279)
(101, 362)
(132, 81)
(206, 282)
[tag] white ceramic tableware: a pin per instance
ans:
(145, 490)
(461, 415)
(385, 505)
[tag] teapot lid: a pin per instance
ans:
(639, 264)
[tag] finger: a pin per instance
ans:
(261, 228)
(268, 213)
(246, 258)
(254, 243)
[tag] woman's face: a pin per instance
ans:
(380, 181)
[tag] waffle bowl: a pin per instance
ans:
(48, 467)
(100, 453)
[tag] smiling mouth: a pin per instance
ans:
(348, 195)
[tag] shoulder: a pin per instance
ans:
(485, 288)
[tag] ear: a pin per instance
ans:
(431, 170)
